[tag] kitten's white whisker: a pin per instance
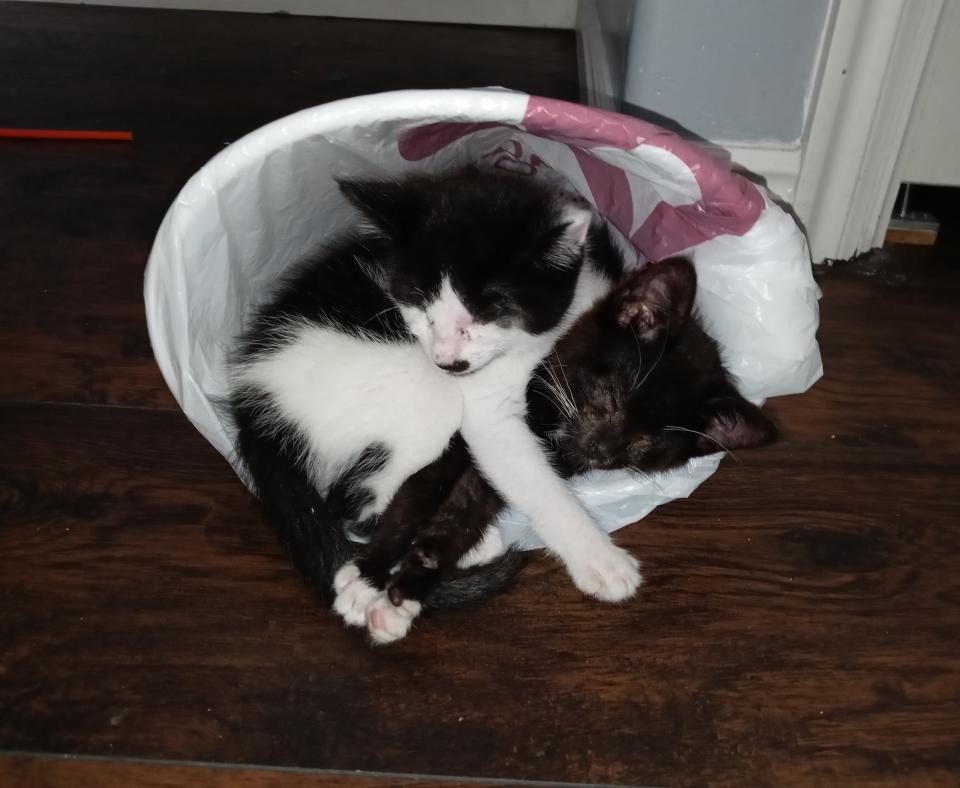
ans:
(703, 435)
(552, 395)
(381, 312)
(647, 476)
(564, 373)
(569, 388)
(559, 399)
(563, 401)
(636, 339)
(663, 349)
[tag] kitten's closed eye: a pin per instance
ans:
(494, 293)
(495, 306)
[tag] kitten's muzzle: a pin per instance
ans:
(600, 447)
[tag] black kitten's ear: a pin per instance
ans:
(733, 423)
(657, 299)
(391, 207)
(565, 240)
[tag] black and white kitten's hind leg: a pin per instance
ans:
(357, 583)
(644, 387)
(417, 583)
(434, 547)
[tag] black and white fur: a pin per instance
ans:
(431, 318)
(636, 383)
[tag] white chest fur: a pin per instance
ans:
(344, 394)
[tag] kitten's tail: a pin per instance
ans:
(477, 582)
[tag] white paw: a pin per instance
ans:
(354, 594)
(345, 575)
(387, 622)
(489, 548)
(606, 572)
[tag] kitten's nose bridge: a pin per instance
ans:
(450, 326)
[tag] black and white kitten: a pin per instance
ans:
(636, 383)
(430, 319)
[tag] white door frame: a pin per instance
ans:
(871, 75)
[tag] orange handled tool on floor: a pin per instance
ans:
(59, 134)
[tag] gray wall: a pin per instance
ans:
(726, 70)
(615, 22)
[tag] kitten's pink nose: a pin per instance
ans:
(448, 347)
(446, 352)
(447, 355)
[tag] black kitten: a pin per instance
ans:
(636, 383)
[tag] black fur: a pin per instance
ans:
(501, 240)
(650, 392)
(649, 383)
(308, 529)
(329, 289)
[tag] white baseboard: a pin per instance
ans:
(778, 166)
(513, 13)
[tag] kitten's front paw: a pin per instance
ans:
(606, 572)
(387, 622)
(354, 594)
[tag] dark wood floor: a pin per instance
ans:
(801, 618)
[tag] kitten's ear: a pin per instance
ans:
(575, 217)
(566, 239)
(391, 207)
(657, 299)
(733, 423)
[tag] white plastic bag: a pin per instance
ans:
(263, 202)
